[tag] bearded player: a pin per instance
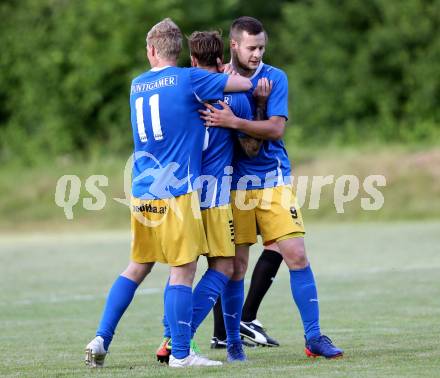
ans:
(265, 180)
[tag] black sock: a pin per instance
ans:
(219, 324)
(264, 272)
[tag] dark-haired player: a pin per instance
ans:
(206, 49)
(265, 180)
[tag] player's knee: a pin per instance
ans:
(228, 269)
(137, 272)
(222, 265)
(301, 262)
(240, 268)
(183, 274)
(299, 254)
(294, 253)
(296, 258)
(188, 273)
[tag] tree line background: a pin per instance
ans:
(358, 70)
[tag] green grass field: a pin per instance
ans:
(379, 291)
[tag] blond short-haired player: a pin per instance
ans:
(166, 223)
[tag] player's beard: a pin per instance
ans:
(242, 69)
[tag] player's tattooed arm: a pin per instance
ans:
(250, 145)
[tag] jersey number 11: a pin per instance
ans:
(155, 118)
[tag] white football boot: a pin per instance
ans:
(192, 360)
(95, 353)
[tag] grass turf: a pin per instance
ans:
(379, 297)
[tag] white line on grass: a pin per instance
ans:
(75, 298)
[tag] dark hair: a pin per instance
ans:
(206, 47)
(245, 23)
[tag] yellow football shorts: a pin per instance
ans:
(167, 230)
(271, 211)
(219, 229)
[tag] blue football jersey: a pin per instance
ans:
(271, 167)
(168, 133)
(218, 150)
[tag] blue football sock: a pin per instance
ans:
(303, 286)
(178, 310)
(166, 326)
(205, 295)
(232, 303)
(118, 299)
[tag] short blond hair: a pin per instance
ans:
(166, 38)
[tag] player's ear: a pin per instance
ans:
(193, 61)
(150, 51)
(233, 44)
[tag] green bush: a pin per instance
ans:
(363, 69)
(357, 69)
